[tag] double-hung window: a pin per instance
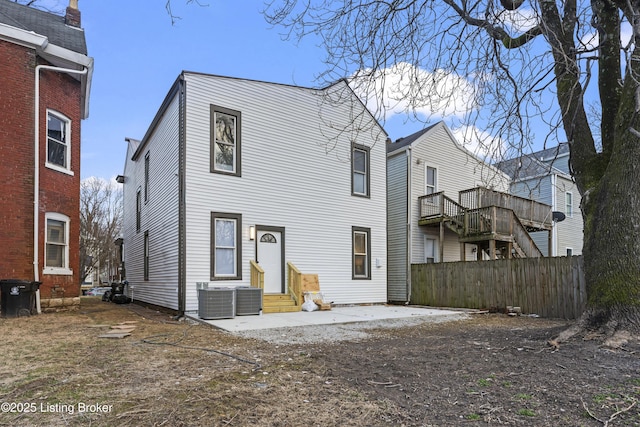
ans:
(138, 209)
(431, 180)
(146, 177)
(226, 250)
(568, 204)
(146, 256)
(430, 254)
(58, 142)
(225, 140)
(360, 179)
(56, 259)
(361, 253)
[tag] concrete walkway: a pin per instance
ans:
(337, 315)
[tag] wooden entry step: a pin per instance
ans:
(278, 303)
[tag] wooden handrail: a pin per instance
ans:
(257, 275)
(294, 283)
(530, 212)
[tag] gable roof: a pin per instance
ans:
(44, 23)
(539, 163)
(408, 140)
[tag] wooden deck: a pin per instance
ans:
(496, 222)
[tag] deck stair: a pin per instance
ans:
(498, 223)
(278, 303)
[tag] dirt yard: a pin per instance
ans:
(489, 370)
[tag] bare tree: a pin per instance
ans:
(524, 71)
(100, 226)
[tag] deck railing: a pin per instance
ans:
(501, 221)
(437, 204)
(257, 275)
(294, 283)
(531, 213)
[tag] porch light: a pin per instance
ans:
(252, 232)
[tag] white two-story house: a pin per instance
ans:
(444, 205)
(237, 179)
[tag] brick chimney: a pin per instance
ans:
(72, 18)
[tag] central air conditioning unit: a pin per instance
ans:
(248, 300)
(216, 303)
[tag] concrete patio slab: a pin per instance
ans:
(337, 315)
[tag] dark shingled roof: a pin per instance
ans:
(535, 164)
(44, 23)
(407, 140)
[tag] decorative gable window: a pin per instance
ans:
(226, 251)
(56, 258)
(361, 253)
(225, 140)
(360, 170)
(58, 142)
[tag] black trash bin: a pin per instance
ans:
(18, 297)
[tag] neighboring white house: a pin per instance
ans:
(544, 176)
(444, 204)
(234, 170)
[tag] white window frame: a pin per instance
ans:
(66, 168)
(435, 249)
(569, 251)
(64, 270)
(434, 187)
(568, 204)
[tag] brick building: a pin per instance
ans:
(45, 79)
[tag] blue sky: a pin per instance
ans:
(138, 55)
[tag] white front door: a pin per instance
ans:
(270, 259)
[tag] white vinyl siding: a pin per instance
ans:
(397, 227)
(281, 126)
(159, 216)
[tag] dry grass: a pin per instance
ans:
(166, 373)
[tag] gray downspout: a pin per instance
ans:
(409, 227)
(182, 286)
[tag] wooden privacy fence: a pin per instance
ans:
(552, 287)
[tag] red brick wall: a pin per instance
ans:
(59, 192)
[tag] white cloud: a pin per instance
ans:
(406, 89)
(591, 40)
(482, 144)
(519, 20)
